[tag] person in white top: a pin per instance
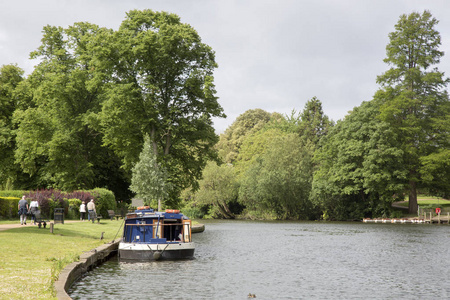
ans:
(34, 207)
(82, 211)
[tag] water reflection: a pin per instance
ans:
(288, 260)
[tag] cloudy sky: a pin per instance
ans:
(274, 55)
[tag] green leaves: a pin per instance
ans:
(413, 96)
(381, 148)
(10, 79)
(279, 180)
(97, 92)
(359, 162)
(219, 189)
(160, 83)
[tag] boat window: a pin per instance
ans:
(172, 230)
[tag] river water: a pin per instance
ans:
(288, 260)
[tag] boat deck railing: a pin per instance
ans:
(156, 234)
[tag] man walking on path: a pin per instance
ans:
(91, 210)
(23, 210)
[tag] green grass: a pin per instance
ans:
(32, 258)
(434, 202)
(428, 201)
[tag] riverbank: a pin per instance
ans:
(36, 264)
(32, 258)
(90, 260)
(87, 262)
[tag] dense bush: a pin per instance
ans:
(8, 207)
(13, 193)
(85, 196)
(48, 200)
(104, 201)
(195, 212)
(73, 211)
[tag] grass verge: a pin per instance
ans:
(429, 201)
(32, 258)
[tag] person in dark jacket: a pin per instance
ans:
(23, 210)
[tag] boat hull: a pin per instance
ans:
(131, 251)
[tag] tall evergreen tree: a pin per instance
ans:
(413, 97)
(314, 123)
(150, 180)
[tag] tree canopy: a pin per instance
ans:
(10, 78)
(97, 92)
(159, 78)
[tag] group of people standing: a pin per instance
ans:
(33, 207)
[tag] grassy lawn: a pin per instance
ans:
(434, 202)
(427, 200)
(31, 258)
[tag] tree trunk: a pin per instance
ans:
(412, 198)
(229, 214)
(168, 143)
(152, 137)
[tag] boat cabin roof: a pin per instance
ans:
(151, 214)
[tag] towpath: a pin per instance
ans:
(4, 227)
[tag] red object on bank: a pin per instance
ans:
(438, 210)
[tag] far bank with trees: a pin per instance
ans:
(304, 166)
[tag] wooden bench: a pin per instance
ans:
(120, 215)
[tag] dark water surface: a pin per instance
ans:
(288, 260)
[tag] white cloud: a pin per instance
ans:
(273, 55)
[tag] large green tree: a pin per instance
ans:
(159, 78)
(10, 78)
(359, 167)
(57, 136)
(245, 125)
(278, 182)
(218, 189)
(414, 101)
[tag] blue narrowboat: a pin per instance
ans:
(150, 235)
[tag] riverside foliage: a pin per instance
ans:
(304, 166)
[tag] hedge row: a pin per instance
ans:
(8, 207)
(13, 193)
(50, 199)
